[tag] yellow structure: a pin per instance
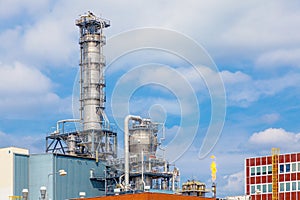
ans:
(194, 188)
(275, 155)
(15, 198)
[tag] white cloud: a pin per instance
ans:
(235, 77)
(11, 8)
(220, 25)
(257, 29)
(239, 88)
(34, 143)
(20, 79)
(51, 39)
(275, 137)
(234, 184)
(26, 92)
(242, 89)
(270, 118)
(279, 58)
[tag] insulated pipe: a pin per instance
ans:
(144, 184)
(126, 145)
(64, 121)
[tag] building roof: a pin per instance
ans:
(148, 196)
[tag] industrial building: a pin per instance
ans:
(276, 176)
(14, 171)
(84, 161)
(61, 176)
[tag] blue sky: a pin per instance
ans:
(255, 47)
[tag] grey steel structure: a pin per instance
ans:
(141, 168)
(95, 138)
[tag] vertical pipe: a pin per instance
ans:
(115, 145)
(142, 159)
(173, 181)
(105, 187)
(126, 146)
(80, 80)
(106, 142)
(93, 143)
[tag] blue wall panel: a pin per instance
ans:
(21, 173)
(40, 166)
(43, 170)
(78, 177)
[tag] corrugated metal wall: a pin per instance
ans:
(42, 172)
(39, 168)
(21, 173)
(78, 177)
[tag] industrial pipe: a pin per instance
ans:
(64, 121)
(126, 145)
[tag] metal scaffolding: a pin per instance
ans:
(95, 137)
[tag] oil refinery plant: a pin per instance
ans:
(84, 162)
(140, 168)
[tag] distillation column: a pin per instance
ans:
(92, 63)
(95, 138)
(95, 134)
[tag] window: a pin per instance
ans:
(264, 170)
(287, 167)
(298, 166)
(252, 189)
(294, 186)
(270, 188)
(281, 187)
(252, 171)
(281, 168)
(264, 188)
(258, 170)
(287, 186)
(269, 169)
(298, 185)
(258, 188)
(294, 167)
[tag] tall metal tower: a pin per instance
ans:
(96, 138)
(92, 63)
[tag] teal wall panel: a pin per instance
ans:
(43, 171)
(78, 178)
(21, 173)
(40, 166)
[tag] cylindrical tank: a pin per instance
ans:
(71, 142)
(143, 138)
